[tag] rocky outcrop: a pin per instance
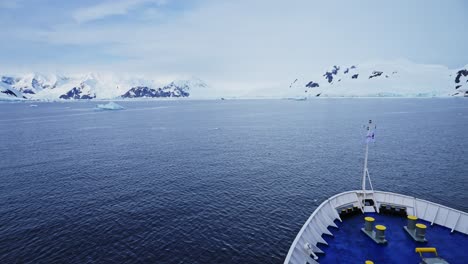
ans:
(28, 91)
(312, 84)
(80, 92)
(375, 74)
(140, 91)
(177, 90)
(291, 85)
(9, 92)
(8, 80)
(461, 73)
(461, 81)
(170, 90)
(329, 74)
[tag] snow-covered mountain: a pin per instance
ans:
(461, 81)
(9, 93)
(382, 79)
(36, 86)
(180, 88)
(402, 79)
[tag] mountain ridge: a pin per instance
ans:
(37, 86)
(376, 79)
(403, 79)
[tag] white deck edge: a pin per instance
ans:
(326, 213)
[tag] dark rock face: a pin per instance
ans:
(329, 75)
(170, 90)
(375, 74)
(162, 93)
(8, 80)
(293, 83)
(86, 96)
(9, 92)
(72, 94)
(140, 91)
(28, 91)
(458, 86)
(353, 67)
(177, 91)
(355, 76)
(35, 84)
(312, 84)
(461, 73)
(346, 71)
(77, 93)
(39, 85)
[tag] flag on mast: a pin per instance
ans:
(370, 137)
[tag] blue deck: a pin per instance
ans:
(350, 245)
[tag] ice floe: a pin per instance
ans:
(109, 106)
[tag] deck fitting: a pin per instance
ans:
(378, 235)
(416, 231)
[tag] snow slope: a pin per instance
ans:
(388, 79)
(8, 93)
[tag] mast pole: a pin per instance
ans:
(365, 168)
(365, 172)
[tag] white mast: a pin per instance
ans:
(365, 174)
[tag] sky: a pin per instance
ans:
(238, 42)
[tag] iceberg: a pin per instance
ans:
(109, 106)
(296, 98)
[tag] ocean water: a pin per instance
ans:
(208, 181)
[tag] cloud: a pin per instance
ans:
(110, 8)
(257, 43)
(224, 40)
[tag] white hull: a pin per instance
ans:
(326, 213)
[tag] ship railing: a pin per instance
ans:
(326, 213)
